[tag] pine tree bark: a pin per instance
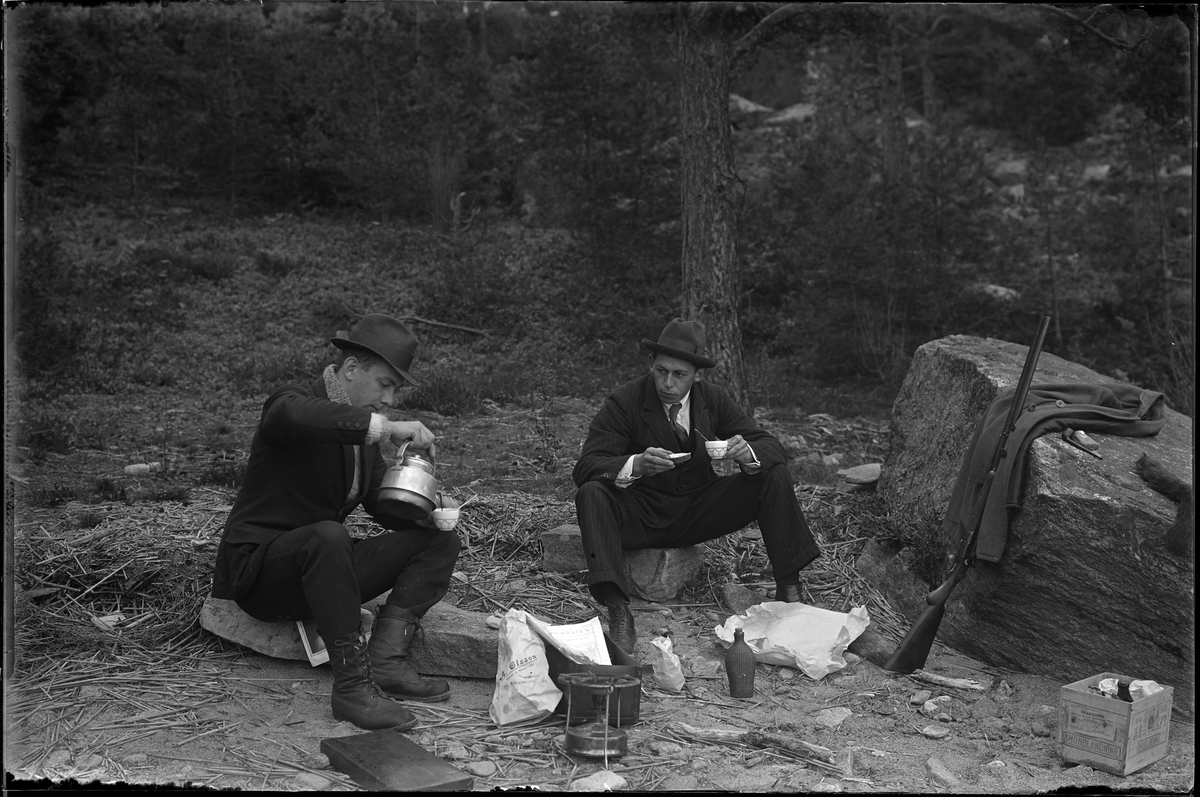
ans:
(712, 193)
(892, 104)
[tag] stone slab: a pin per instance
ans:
(452, 642)
(457, 643)
(654, 574)
(226, 619)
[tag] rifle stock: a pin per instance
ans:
(912, 652)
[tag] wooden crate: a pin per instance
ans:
(1110, 734)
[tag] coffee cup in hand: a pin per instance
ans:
(716, 448)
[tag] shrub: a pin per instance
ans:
(224, 473)
(277, 264)
(46, 432)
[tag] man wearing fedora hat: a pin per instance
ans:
(286, 554)
(633, 494)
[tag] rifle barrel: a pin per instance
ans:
(913, 651)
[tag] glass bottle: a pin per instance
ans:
(739, 666)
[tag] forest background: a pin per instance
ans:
(235, 182)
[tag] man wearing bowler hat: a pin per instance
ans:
(632, 494)
(286, 554)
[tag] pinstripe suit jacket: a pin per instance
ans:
(300, 471)
(632, 419)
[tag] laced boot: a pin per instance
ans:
(393, 672)
(355, 697)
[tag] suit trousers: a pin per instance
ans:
(609, 523)
(321, 572)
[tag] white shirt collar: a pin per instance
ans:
(686, 401)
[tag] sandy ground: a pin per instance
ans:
(268, 733)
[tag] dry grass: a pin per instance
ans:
(155, 670)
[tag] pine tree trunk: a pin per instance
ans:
(892, 104)
(712, 193)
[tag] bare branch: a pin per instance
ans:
(765, 28)
(1086, 25)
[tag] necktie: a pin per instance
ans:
(681, 434)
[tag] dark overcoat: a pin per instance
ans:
(300, 471)
(632, 419)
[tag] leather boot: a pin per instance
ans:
(393, 672)
(355, 697)
(620, 626)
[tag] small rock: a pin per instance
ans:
(997, 764)
(481, 769)
(135, 759)
(984, 707)
(699, 763)
(1046, 709)
(862, 474)
(456, 751)
(307, 781)
(1039, 728)
(920, 697)
(659, 747)
(561, 740)
(786, 674)
(851, 658)
(93, 761)
(930, 708)
(679, 783)
(604, 780)
(752, 761)
(935, 732)
(831, 718)
(993, 726)
(492, 622)
(943, 717)
(321, 761)
(939, 774)
(831, 460)
(782, 689)
(827, 787)
(59, 758)
(1003, 691)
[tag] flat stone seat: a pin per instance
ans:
(654, 574)
(452, 642)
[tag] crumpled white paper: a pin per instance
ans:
(797, 635)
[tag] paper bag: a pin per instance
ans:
(668, 673)
(797, 635)
(524, 690)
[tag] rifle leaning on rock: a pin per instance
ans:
(914, 650)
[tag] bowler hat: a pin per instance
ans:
(683, 339)
(385, 337)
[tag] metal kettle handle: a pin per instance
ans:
(404, 447)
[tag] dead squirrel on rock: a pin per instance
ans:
(1179, 536)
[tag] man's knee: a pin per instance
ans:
(445, 545)
(779, 475)
(329, 534)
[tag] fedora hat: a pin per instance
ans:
(384, 337)
(682, 339)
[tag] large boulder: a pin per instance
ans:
(1085, 584)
